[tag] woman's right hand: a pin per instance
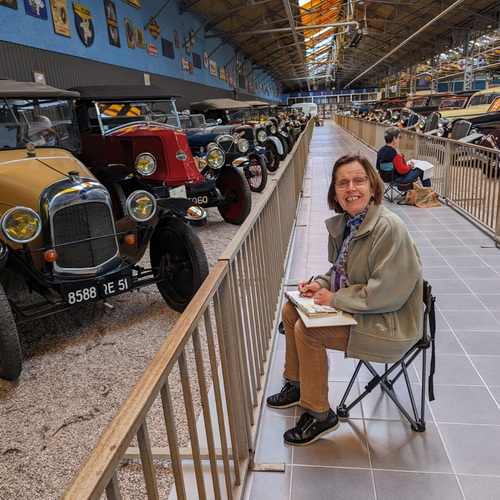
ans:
(308, 289)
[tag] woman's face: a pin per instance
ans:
(353, 197)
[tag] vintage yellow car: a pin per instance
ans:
(71, 236)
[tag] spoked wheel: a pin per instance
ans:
(179, 261)
(11, 357)
(256, 173)
(237, 195)
(272, 156)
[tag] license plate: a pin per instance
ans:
(97, 289)
(177, 192)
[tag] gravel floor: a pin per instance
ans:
(78, 368)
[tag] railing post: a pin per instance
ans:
(234, 377)
(447, 170)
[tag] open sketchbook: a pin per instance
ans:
(317, 315)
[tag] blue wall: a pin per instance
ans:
(17, 26)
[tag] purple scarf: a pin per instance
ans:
(338, 278)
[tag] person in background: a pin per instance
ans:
(390, 153)
(41, 132)
(376, 276)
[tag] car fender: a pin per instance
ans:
(4, 254)
(277, 143)
(183, 208)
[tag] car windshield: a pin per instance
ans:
(113, 114)
(455, 102)
(43, 122)
(420, 102)
(483, 99)
(189, 122)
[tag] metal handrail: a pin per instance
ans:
(213, 361)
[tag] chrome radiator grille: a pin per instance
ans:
(84, 235)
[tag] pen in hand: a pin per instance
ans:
(308, 283)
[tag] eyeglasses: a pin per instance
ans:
(359, 182)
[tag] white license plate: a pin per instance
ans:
(177, 192)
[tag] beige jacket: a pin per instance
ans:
(385, 294)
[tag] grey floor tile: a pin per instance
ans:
(270, 447)
(394, 446)
(480, 487)
(459, 302)
(480, 343)
(345, 447)
(263, 485)
(323, 483)
(490, 300)
(473, 449)
(488, 368)
(447, 343)
(413, 486)
(471, 320)
(456, 370)
(465, 405)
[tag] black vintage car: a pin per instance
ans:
(231, 112)
(67, 239)
(236, 141)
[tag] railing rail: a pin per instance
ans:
(466, 176)
(195, 406)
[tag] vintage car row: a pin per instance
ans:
(129, 124)
(71, 234)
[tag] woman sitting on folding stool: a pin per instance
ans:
(376, 276)
(406, 173)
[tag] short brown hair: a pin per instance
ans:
(375, 181)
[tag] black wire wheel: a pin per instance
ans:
(11, 357)
(237, 201)
(179, 262)
(256, 173)
(272, 156)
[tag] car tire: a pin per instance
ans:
(272, 156)
(284, 143)
(178, 260)
(237, 202)
(11, 357)
(256, 173)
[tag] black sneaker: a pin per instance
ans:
(309, 429)
(289, 396)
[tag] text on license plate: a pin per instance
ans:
(98, 290)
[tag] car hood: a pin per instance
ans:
(465, 113)
(24, 178)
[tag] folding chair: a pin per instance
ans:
(393, 190)
(417, 415)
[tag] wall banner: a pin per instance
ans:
(9, 3)
(134, 3)
(112, 23)
(36, 8)
(60, 17)
(84, 24)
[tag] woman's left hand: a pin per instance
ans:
(322, 297)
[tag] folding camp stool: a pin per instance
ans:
(417, 415)
(392, 190)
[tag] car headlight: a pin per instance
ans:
(21, 224)
(273, 129)
(141, 206)
(216, 158)
(145, 164)
(421, 122)
(243, 145)
(440, 132)
(236, 137)
(261, 136)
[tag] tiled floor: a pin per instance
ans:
(375, 454)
